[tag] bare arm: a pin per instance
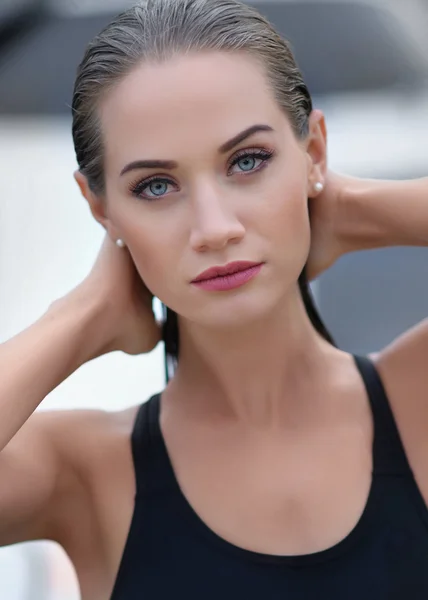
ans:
(37, 360)
(110, 310)
(31, 365)
(377, 214)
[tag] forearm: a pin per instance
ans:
(377, 214)
(36, 361)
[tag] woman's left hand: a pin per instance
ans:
(326, 243)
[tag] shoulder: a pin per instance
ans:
(93, 507)
(50, 468)
(403, 364)
(403, 368)
(76, 434)
(91, 446)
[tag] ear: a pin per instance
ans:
(97, 205)
(316, 151)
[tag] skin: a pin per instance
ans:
(211, 215)
(251, 355)
(267, 426)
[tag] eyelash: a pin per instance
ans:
(137, 187)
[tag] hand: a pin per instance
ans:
(326, 243)
(128, 321)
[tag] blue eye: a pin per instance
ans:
(247, 164)
(250, 161)
(158, 187)
(247, 161)
(152, 188)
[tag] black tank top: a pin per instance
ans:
(171, 553)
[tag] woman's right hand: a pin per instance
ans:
(128, 322)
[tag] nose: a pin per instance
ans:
(214, 223)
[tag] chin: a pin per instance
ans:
(237, 309)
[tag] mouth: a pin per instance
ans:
(228, 277)
(224, 271)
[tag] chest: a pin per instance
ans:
(274, 511)
(273, 496)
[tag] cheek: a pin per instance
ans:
(153, 252)
(286, 188)
(149, 248)
(285, 217)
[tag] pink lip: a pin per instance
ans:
(229, 277)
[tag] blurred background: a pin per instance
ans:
(366, 64)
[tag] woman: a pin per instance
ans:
(272, 464)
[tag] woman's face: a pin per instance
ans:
(212, 201)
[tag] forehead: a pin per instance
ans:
(202, 99)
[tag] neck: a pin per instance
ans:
(251, 374)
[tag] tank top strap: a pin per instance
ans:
(389, 457)
(151, 462)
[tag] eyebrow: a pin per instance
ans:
(170, 165)
(228, 146)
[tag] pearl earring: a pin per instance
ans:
(120, 243)
(319, 186)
